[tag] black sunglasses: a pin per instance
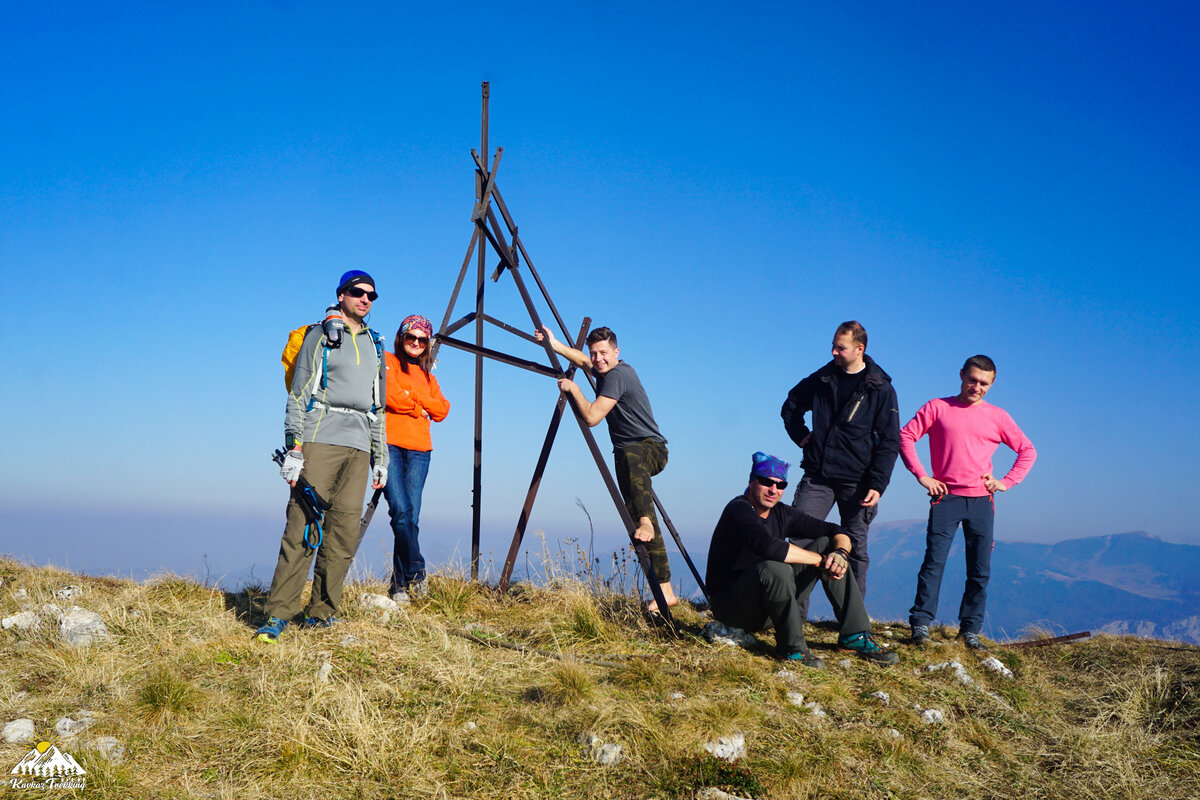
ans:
(354, 291)
(769, 482)
(421, 340)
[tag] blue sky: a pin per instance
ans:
(721, 185)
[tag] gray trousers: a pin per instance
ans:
(817, 497)
(774, 593)
(339, 474)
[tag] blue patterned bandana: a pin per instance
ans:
(768, 466)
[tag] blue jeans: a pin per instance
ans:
(977, 515)
(406, 480)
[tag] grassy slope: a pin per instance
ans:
(204, 711)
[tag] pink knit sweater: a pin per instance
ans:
(962, 440)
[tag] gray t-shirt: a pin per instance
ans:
(631, 419)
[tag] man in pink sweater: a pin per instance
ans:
(964, 433)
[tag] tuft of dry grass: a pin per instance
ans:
(417, 707)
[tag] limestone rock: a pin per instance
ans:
(20, 594)
(796, 699)
(107, 747)
(382, 606)
(324, 671)
(69, 592)
(19, 730)
(882, 697)
(787, 676)
(845, 663)
(602, 752)
(960, 672)
(22, 621)
(68, 728)
(81, 627)
(713, 793)
(50, 611)
(931, 716)
(892, 733)
(816, 709)
(676, 696)
(727, 748)
(997, 666)
(718, 633)
(350, 640)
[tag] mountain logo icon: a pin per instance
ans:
(47, 761)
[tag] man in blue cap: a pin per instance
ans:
(334, 437)
(765, 559)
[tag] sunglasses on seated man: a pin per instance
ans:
(769, 482)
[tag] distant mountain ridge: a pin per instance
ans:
(1130, 583)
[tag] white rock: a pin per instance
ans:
(81, 627)
(996, 666)
(796, 699)
(107, 747)
(882, 697)
(69, 592)
(728, 748)
(601, 752)
(607, 753)
(20, 594)
(469, 726)
(845, 663)
(401, 598)
(886, 633)
(324, 671)
(382, 605)
(718, 633)
(350, 640)
(677, 696)
(50, 611)
(931, 716)
(68, 728)
(960, 672)
(787, 676)
(893, 733)
(713, 793)
(816, 709)
(22, 621)
(19, 730)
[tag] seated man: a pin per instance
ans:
(757, 577)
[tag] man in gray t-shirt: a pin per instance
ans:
(639, 449)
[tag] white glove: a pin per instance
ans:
(293, 462)
(378, 475)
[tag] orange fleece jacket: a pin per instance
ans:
(412, 401)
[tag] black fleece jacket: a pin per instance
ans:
(853, 439)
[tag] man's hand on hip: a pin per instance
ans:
(932, 485)
(871, 499)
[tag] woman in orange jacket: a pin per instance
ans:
(413, 400)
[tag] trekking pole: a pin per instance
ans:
(368, 513)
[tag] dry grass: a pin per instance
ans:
(413, 708)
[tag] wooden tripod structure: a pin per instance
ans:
(508, 247)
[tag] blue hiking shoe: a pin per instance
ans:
(864, 646)
(315, 622)
(270, 631)
(806, 658)
(920, 635)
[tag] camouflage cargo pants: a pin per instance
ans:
(635, 464)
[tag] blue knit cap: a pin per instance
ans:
(768, 466)
(352, 277)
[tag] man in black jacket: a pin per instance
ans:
(852, 446)
(765, 559)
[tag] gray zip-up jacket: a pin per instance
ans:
(348, 409)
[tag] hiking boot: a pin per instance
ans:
(920, 635)
(270, 631)
(806, 658)
(972, 641)
(315, 622)
(864, 646)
